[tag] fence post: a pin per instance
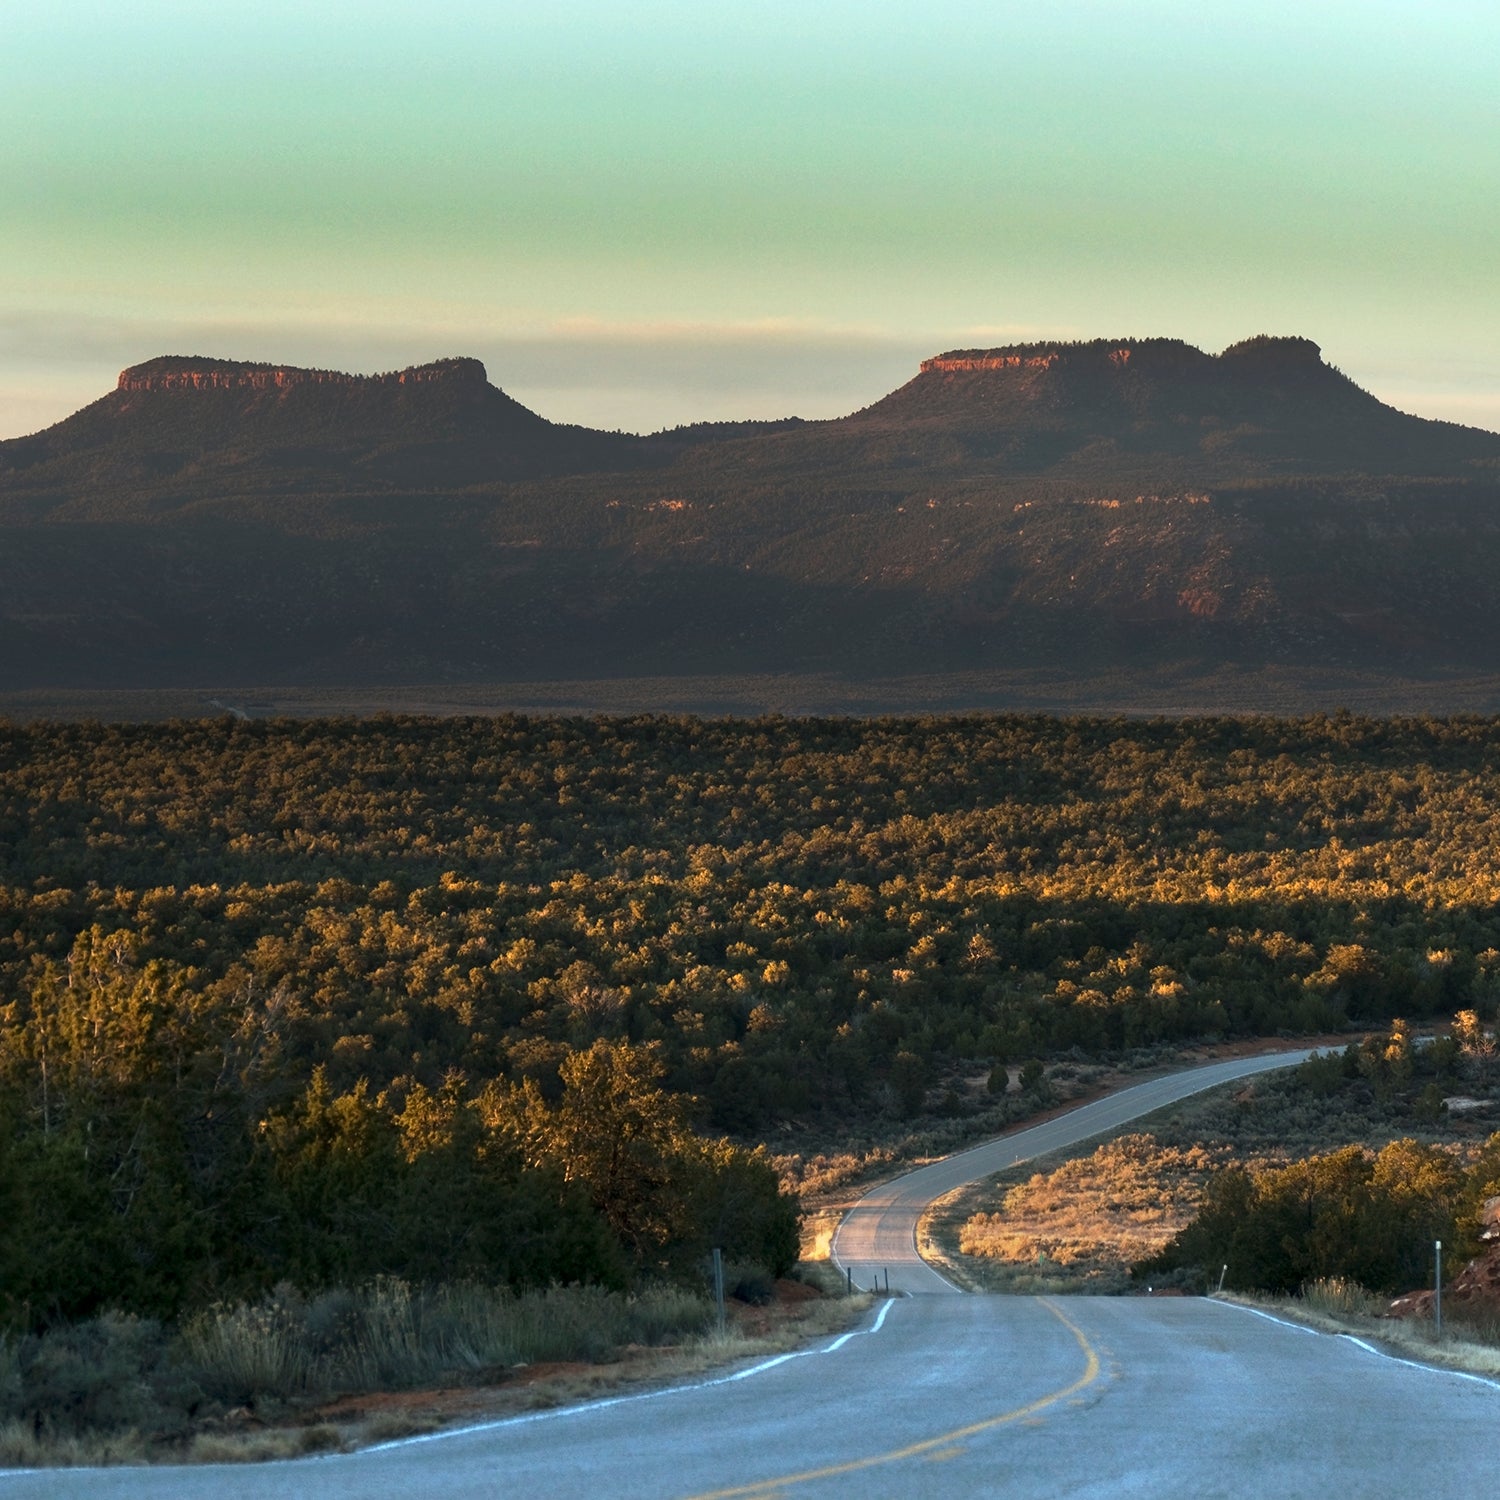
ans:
(719, 1285)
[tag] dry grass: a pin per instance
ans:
(818, 1229)
(390, 1426)
(1078, 1226)
(751, 1333)
(391, 1336)
(264, 1447)
(1468, 1342)
(22, 1448)
(290, 1429)
(266, 1374)
(813, 1174)
(1339, 1297)
(825, 1278)
(239, 1381)
(814, 1318)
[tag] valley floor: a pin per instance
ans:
(1173, 692)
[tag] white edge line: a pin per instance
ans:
(1417, 1364)
(592, 1406)
(1263, 1065)
(833, 1253)
(1265, 1062)
(917, 1250)
(544, 1416)
(1256, 1312)
(1379, 1353)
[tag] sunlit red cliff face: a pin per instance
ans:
(1267, 358)
(1103, 506)
(968, 364)
(186, 373)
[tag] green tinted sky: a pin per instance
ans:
(648, 213)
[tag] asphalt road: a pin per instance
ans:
(952, 1396)
(877, 1238)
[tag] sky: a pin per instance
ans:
(658, 212)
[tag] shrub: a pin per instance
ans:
(909, 1076)
(750, 1284)
(1340, 1296)
(666, 1314)
(389, 1335)
(1345, 1214)
(112, 1375)
(244, 1352)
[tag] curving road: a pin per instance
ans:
(1029, 1398)
(1093, 1397)
(877, 1239)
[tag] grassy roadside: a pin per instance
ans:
(1467, 1343)
(798, 1314)
(290, 1376)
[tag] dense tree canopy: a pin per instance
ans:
(243, 960)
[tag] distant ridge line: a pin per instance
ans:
(994, 362)
(174, 372)
(1158, 355)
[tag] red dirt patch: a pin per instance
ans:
(789, 1293)
(1477, 1286)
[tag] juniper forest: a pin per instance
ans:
(319, 1000)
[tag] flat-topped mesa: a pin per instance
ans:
(1262, 355)
(966, 362)
(175, 372)
(1159, 356)
(1129, 388)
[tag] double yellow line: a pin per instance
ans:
(768, 1487)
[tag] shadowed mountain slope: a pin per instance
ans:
(1110, 506)
(1158, 408)
(192, 420)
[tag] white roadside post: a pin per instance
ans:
(1437, 1286)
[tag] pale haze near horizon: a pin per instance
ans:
(660, 213)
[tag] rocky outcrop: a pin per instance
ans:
(182, 373)
(1476, 1287)
(1272, 353)
(967, 362)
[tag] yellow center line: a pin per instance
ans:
(1090, 1374)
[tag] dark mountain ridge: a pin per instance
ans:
(1271, 404)
(1103, 506)
(435, 425)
